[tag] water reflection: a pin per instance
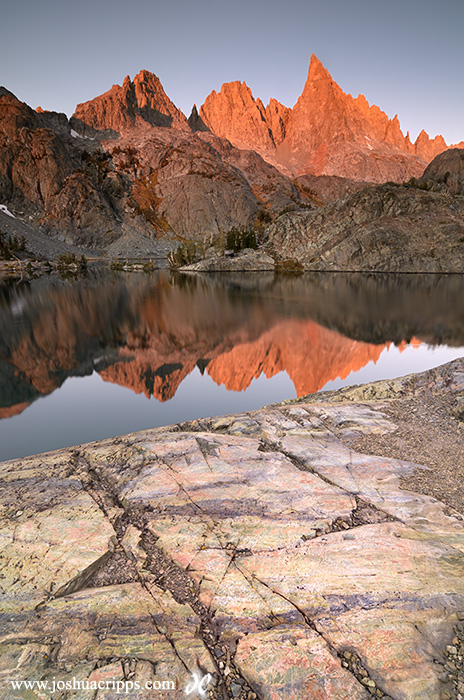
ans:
(149, 333)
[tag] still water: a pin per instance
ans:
(115, 353)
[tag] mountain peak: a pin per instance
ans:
(195, 122)
(236, 89)
(233, 113)
(141, 102)
(144, 74)
(317, 71)
(145, 77)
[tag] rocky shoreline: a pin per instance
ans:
(276, 550)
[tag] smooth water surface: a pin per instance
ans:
(115, 353)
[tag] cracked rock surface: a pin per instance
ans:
(262, 548)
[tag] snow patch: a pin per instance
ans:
(5, 209)
(75, 135)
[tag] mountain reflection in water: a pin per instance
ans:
(148, 333)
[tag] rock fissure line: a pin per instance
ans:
(359, 501)
(361, 504)
(206, 522)
(352, 662)
(120, 527)
(101, 495)
(334, 651)
(164, 634)
(250, 583)
(206, 519)
(221, 580)
(171, 577)
(305, 617)
(184, 490)
(203, 447)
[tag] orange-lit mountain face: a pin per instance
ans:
(328, 132)
(136, 103)
(128, 173)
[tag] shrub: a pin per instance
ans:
(263, 217)
(97, 162)
(149, 266)
(185, 254)
(67, 259)
(11, 245)
(239, 239)
(413, 182)
(289, 265)
(70, 265)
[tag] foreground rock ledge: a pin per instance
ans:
(261, 547)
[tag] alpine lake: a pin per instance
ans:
(113, 353)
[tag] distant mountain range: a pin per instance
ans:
(129, 170)
(328, 132)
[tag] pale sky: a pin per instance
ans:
(405, 56)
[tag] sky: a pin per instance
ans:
(407, 57)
